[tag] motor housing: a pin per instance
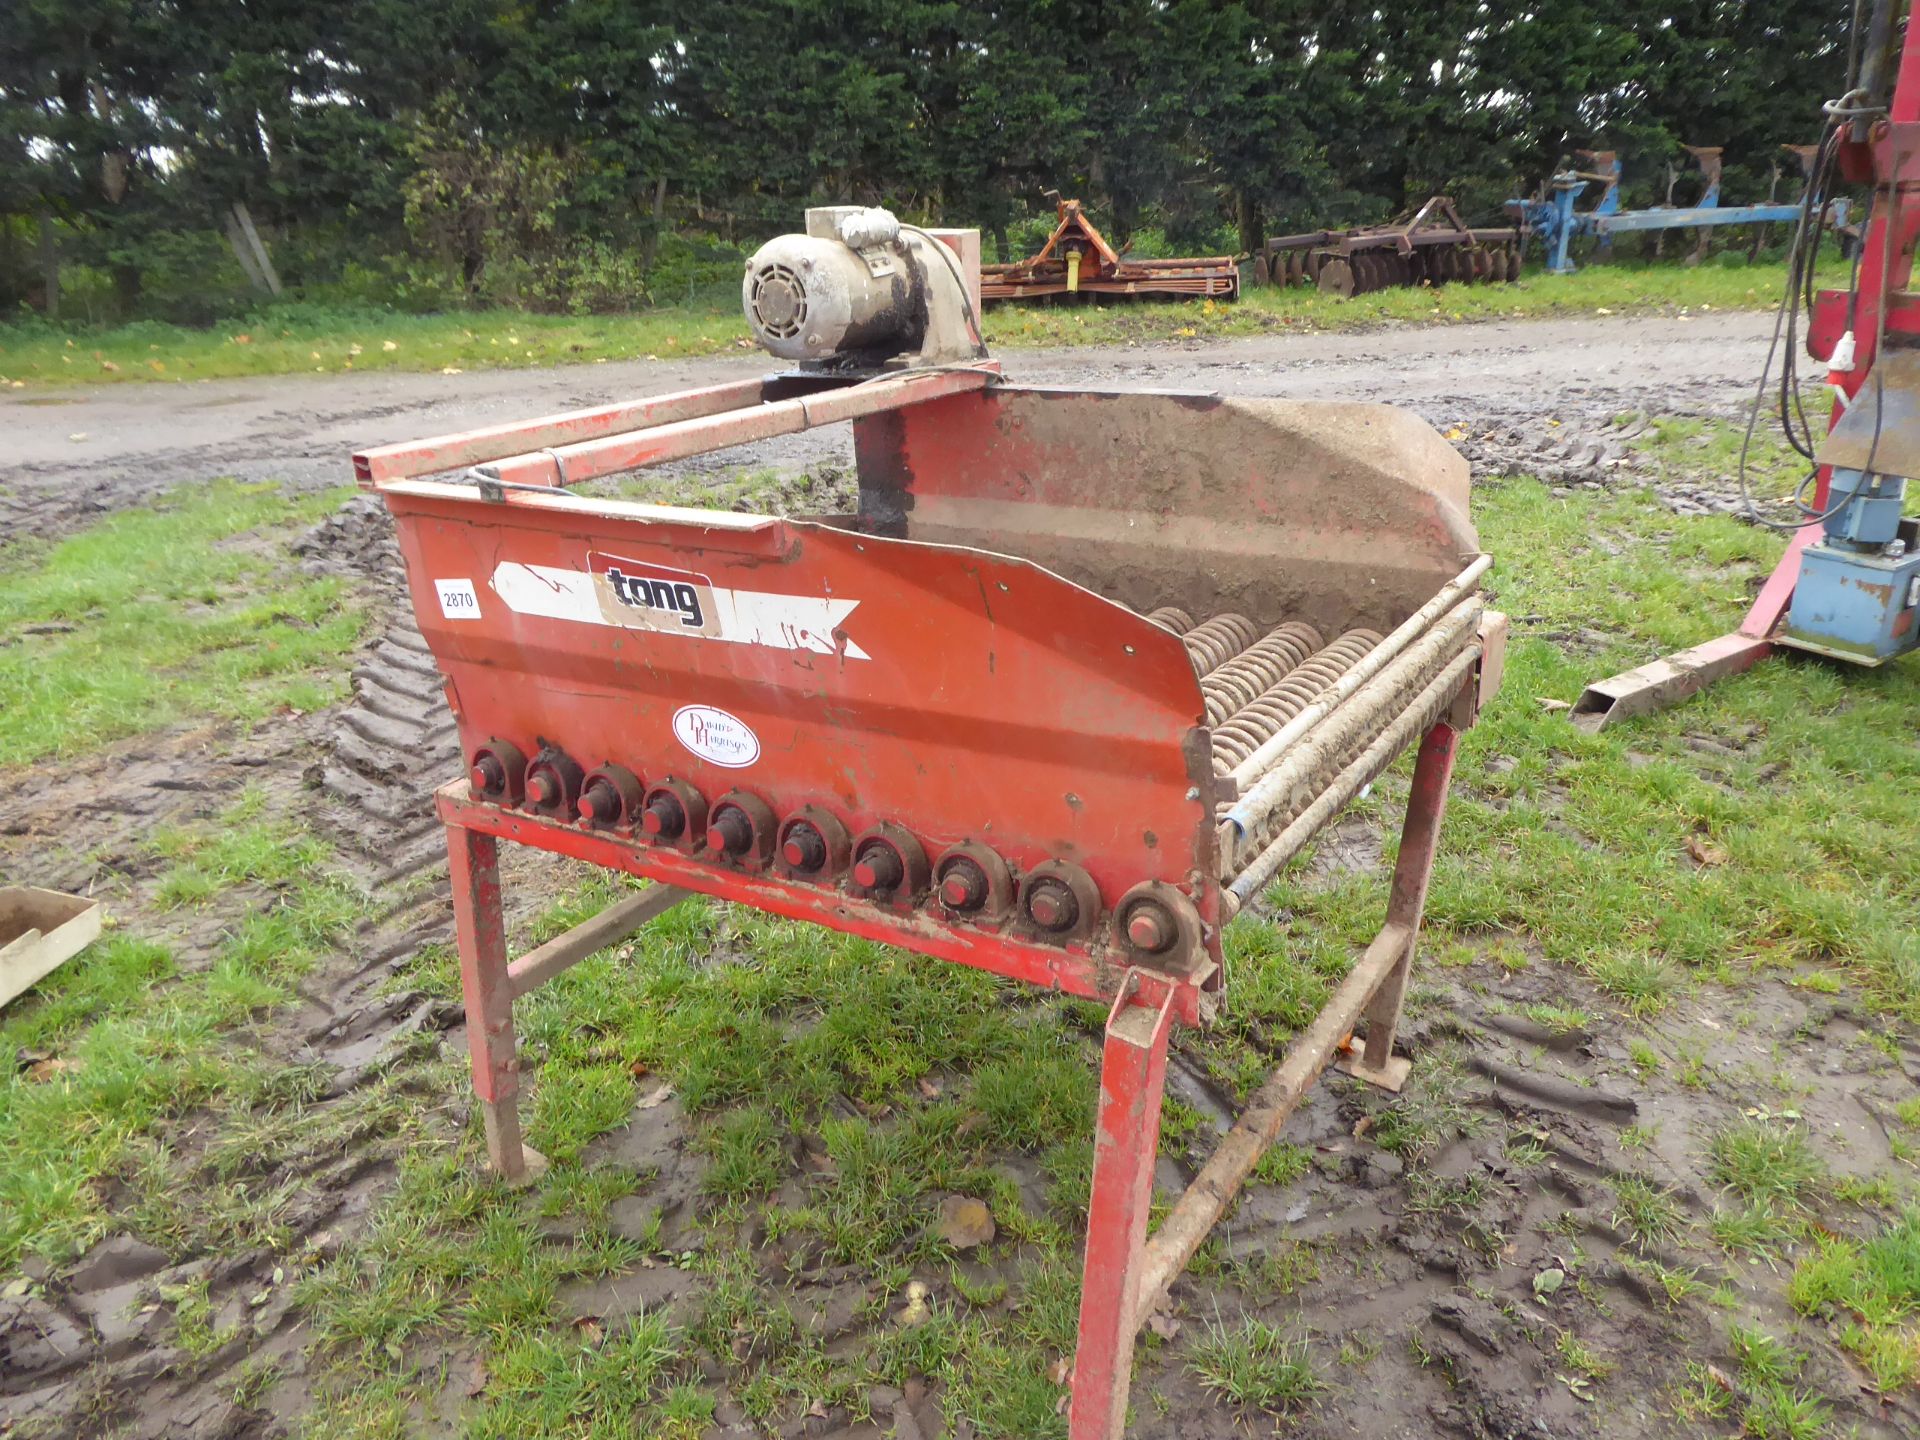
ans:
(858, 290)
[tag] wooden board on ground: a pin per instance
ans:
(40, 930)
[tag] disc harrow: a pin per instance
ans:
(1434, 248)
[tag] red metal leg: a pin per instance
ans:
(1419, 839)
(473, 862)
(1133, 1069)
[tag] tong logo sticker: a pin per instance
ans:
(639, 596)
(636, 595)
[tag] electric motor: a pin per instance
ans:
(854, 288)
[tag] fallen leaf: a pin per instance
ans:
(965, 1222)
(241, 339)
(1060, 1370)
(1549, 1280)
(279, 1274)
(110, 367)
(476, 1377)
(1705, 852)
(77, 436)
(451, 370)
(259, 1298)
(657, 1098)
(589, 1327)
(388, 345)
(1603, 310)
(353, 349)
(16, 1288)
(928, 1089)
(1458, 432)
(42, 1070)
(1720, 1378)
(818, 1410)
(315, 354)
(1547, 702)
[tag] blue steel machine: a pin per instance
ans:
(1858, 594)
(1556, 224)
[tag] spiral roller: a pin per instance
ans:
(1171, 617)
(1250, 727)
(1213, 642)
(1247, 676)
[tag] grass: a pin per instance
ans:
(187, 609)
(1649, 1213)
(1765, 1163)
(1872, 1287)
(1255, 1364)
(1773, 1409)
(122, 1045)
(310, 338)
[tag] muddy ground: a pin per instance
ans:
(1545, 398)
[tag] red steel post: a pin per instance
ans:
(1133, 1069)
(1412, 872)
(473, 863)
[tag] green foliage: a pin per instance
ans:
(1255, 1363)
(159, 613)
(111, 1056)
(546, 153)
(1874, 1286)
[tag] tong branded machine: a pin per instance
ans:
(1086, 669)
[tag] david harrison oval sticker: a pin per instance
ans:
(716, 736)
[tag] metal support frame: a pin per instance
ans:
(1126, 1143)
(489, 984)
(1124, 1275)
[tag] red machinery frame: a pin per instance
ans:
(1885, 154)
(1138, 703)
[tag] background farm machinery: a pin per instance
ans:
(1553, 220)
(1077, 260)
(1434, 247)
(1083, 672)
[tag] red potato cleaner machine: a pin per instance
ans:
(1083, 672)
